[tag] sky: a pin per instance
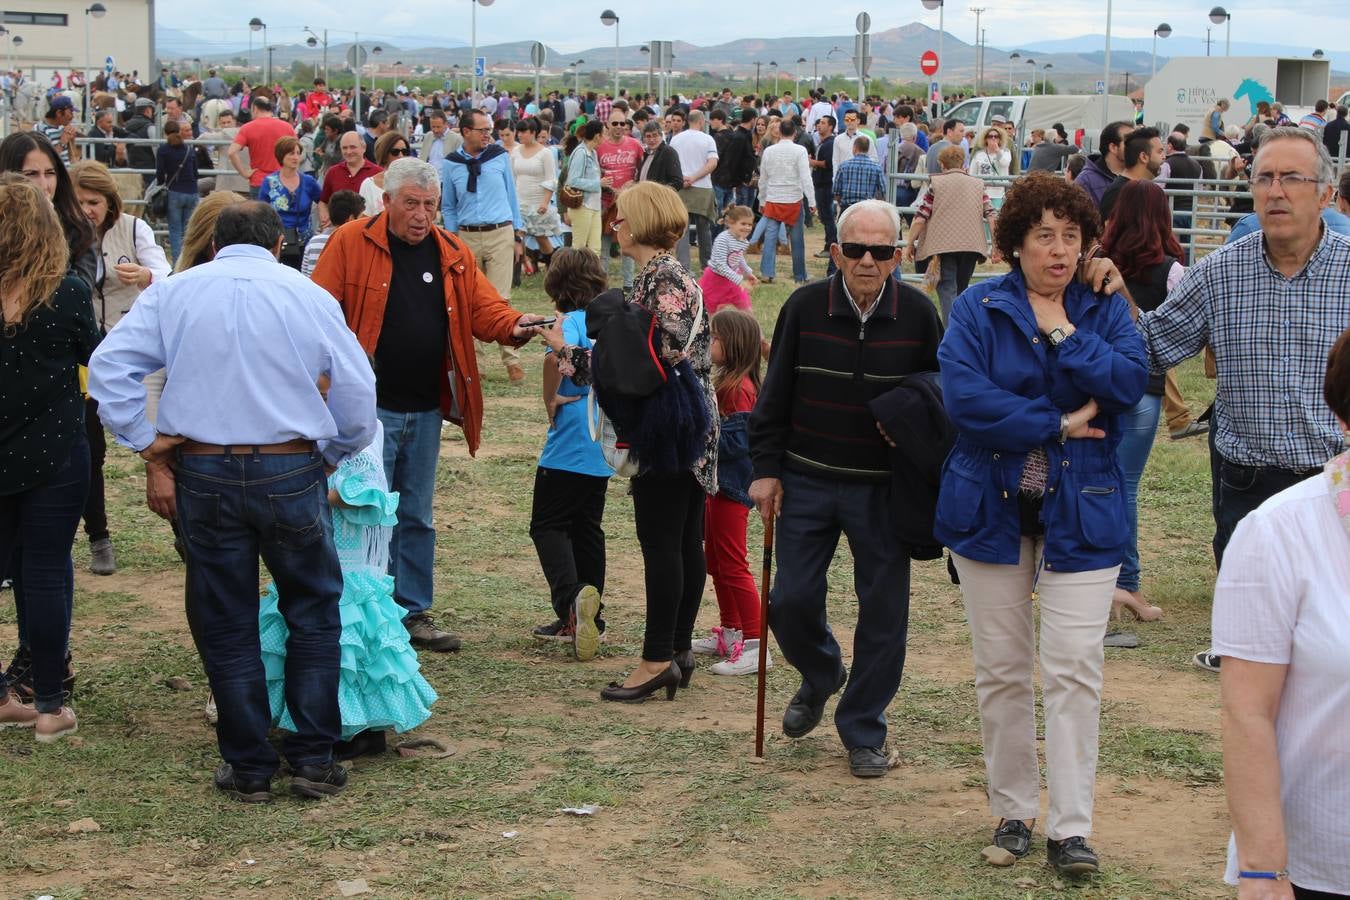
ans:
(571, 26)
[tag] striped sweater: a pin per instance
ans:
(826, 364)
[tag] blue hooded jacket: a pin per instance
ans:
(1005, 390)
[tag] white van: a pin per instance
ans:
(1073, 111)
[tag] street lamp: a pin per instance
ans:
(797, 83)
(1318, 54)
(1218, 15)
(454, 69)
(576, 71)
(375, 70)
(1045, 77)
(1162, 31)
(96, 11)
(941, 7)
(257, 24)
(1031, 62)
(608, 18)
(313, 41)
(1012, 56)
(773, 65)
(473, 60)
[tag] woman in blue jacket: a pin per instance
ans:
(1037, 372)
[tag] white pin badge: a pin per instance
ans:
(426, 276)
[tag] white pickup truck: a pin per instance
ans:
(1074, 111)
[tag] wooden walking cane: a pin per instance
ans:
(763, 635)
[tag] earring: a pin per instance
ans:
(1017, 254)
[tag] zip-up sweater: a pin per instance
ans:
(825, 366)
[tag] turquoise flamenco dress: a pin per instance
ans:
(380, 685)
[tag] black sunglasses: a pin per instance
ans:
(880, 252)
(399, 151)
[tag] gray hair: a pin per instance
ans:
(875, 206)
(1326, 169)
(695, 119)
(410, 171)
(908, 131)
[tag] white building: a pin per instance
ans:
(52, 36)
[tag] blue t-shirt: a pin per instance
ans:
(1336, 220)
(568, 446)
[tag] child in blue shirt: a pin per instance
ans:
(570, 483)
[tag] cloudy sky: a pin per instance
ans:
(570, 25)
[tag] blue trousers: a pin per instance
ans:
(412, 446)
(37, 529)
(815, 512)
(797, 238)
(181, 206)
(1238, 490)
(231, 509)
(1139, 426)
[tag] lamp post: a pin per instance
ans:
(608, 18)
(1045, 77)
(473, 41)
(576, 70)
(375, 71)
(797, 81)
(454, 73)
(979, 51)
(1106, 65)
(1318, 54)
(1012, 56)
(1162, 31)
(941, 7)
(646, 50)
(773, 65)
(757, 65)
(1031, 62)
(256, 24)
(96, 11)
(314, 40)
(1219, 16)
(835, 49)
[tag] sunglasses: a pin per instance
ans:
(614, 226)
(618, 124)
(399, 151)
(880, 252)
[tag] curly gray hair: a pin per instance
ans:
(410, 172)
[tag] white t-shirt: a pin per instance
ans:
(1282, 597)
(695, 148)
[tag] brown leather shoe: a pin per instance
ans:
(424, 635)
(51, 727)
(516, 374)
(14, 714)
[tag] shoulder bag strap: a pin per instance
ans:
(698, 321)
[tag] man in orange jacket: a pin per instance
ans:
(413, 296)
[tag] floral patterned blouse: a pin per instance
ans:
(294, 208)
(666, 289)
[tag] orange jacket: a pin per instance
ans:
(355, 267)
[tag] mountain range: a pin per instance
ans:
(1075, 63)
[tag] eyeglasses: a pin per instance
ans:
(487, 130)
(880, 252)
(1291, 181)
(614, 226)
(618, 124)
(399, 151)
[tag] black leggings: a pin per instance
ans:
(668, 512)
(95, 506)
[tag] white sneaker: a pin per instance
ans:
(744, 660)
(719, 643)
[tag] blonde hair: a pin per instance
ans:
(93, 176)
(654, 213)
(201, 229)
(995, 131)
(33, 250)
(737, 213)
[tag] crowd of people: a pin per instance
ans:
(1010, 423)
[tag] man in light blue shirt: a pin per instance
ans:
(1336, 220)
(478, 203)
(238, 457)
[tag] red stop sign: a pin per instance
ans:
(928, 63)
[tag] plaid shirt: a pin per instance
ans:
(859, 178)
(603, 109)
(1271, 336)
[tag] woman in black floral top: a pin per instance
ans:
(668, 509)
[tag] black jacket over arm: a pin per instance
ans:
(665, 167)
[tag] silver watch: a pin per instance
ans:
(1058, 336)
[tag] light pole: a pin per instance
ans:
(1318, 54)
(473, 58)
(454, 73)
(1219, 16)
(313, 40)
(941, 7)
(1012, 56)
(1045, 78)
(375, 71)
(1162, 31)
(1106, 76)
(797, 83)
(576, 70)
(608, 18)
(646, 50)
(96, 11)
(757, 65)
(979, 54)
(1031, 62)
(773, 65)
(256, 24)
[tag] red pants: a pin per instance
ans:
(724, 545)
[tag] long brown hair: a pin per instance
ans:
(201, 228)
(93, 176)
(33, 250)
(738, 332)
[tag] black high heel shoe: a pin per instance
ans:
(685, 660)
(669, 679)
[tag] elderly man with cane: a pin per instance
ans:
(238, 455)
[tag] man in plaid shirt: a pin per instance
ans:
(1270, 305)
(860, 177)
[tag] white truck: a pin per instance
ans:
(1187, 88)
(1076, 112)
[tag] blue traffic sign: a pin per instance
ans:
(1024, 86)
(479, 66)
(1101, 86)
(108, 65)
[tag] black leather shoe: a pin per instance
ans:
(364, 743)
(669, 678)
(685, 660)
(245, 790)
(867, 762)
(1014, 836)
(802, 715)
(1071, 856)
(319, 781)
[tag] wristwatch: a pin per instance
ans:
(1060, 335)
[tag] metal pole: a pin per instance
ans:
(267, 71)
(473, 53)
(1153, 68)
(325, 56)
(978, 11)
(942, 27)
(86, 117)
(1106, 78)
(1009, 76)
(356, 57)
(537, 104)
(616, 58)
(1228, 37)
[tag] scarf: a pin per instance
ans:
(1337, 473)
(475, 164)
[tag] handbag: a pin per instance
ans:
(618, 455)
(157, 195)
(291, 246)
(571, 197)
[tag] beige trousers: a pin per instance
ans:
(586, 228)
(494, 251)
(1174, 405)
(1074, 611)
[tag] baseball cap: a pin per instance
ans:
(999, 120)
(62, 102)
(145, 103)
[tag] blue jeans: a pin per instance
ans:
(725, 197)
(181, 206)
(1138, 427)
(797, 237)
(412, 446)
(953, 278)
(37, 530)
(231, 508)
(815, 512)
(745, 196)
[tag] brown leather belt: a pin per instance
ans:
(477, 228)
(196, 448)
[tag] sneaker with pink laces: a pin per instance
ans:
(14, 714)
(743, 659)
(718, 643)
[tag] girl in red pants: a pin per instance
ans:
(735, 356)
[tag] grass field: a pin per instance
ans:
(684, 811)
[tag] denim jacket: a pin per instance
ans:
(733, 459)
